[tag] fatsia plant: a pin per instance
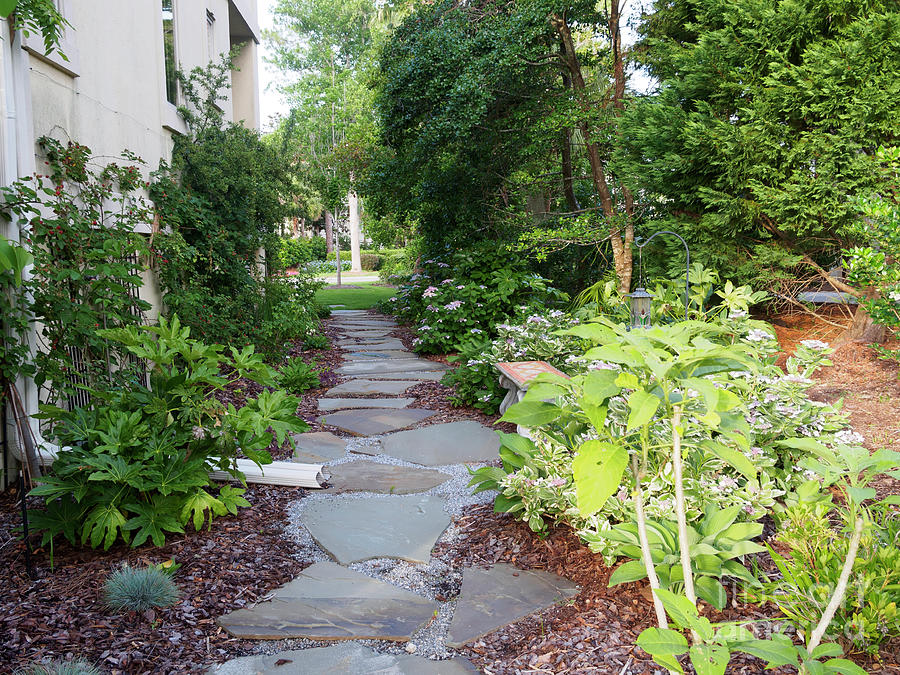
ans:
(136, 464)
(661, 373)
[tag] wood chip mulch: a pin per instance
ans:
(234, 563)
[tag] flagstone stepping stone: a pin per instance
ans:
(367, 476)
(439, 444)
(353, 530)
(352, 312)
(373, 421)
(344, 658)
(393, 354)
(379, 367)
(490, 599)
(381, 333)
(434, 375)
(363, 324)
(343, 403)
(362, 386)
(370, 345)
(330, 602)
(318, 447)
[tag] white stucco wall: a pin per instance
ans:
(111, 94)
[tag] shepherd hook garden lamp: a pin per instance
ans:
(640, 300)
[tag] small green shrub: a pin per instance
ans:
(137, 463)
(135, 589)
(371, 262)
(316, 341)
(298, 376)
(60, 667)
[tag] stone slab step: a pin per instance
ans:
(373, 421)
(440, 444)
(383, 526)
(318, 446)
(493, 598)
(367, 476)
(341, 659)
(345, 403)
(330, 602)
(367, 386)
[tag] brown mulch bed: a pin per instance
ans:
(233, 564)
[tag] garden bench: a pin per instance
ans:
(515, 376)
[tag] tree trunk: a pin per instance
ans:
(329, 232)
(863, 329)
(621, 228)
(566, 156)
(353, 225)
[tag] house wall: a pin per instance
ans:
(111, 93)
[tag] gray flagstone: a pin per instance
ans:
(352, 530)
(439, 444)
(374, 368)
(318, 447)
(344, 403)
(365, 386)
(374, 421)
(367, 476)
(490, 599)
(330, 602)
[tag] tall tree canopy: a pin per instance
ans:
(765, 125)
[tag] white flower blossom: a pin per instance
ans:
(849, 437)
(817, 345)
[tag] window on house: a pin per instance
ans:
(210, 35)
(168, 22)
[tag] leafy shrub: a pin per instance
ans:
(448, 303)
(810, 570)
(316, 341)
(136, 465)
(288, 311)
(81, 223)
(394, 263)
(298, 376)
(533, 338)
(537, 481)
(370, 261)
(138, 589)
(295, 252)
(60, 667)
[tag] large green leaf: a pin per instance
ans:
(598, 469)
(665, 641)
(103, 524)
(709, 659)
(779, 651)
(531, 413)
(844, 667)
(599, 385)
(196, 506)
(7, 7)
(641, 408)
(627, 572)
(150, 522)
(710, 590)
(730, 456)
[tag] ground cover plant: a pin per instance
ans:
(136, 464)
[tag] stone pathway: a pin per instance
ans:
(391, 496)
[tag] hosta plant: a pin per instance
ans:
(136, 464)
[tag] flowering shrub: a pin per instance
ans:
(532, 338)
(452, 303)
(327, 266)
(774, 405)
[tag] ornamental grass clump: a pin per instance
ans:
(139, 589)
(59, 667)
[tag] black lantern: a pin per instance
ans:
(640, 308)
(640, 299)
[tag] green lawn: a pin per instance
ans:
(357, 295)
